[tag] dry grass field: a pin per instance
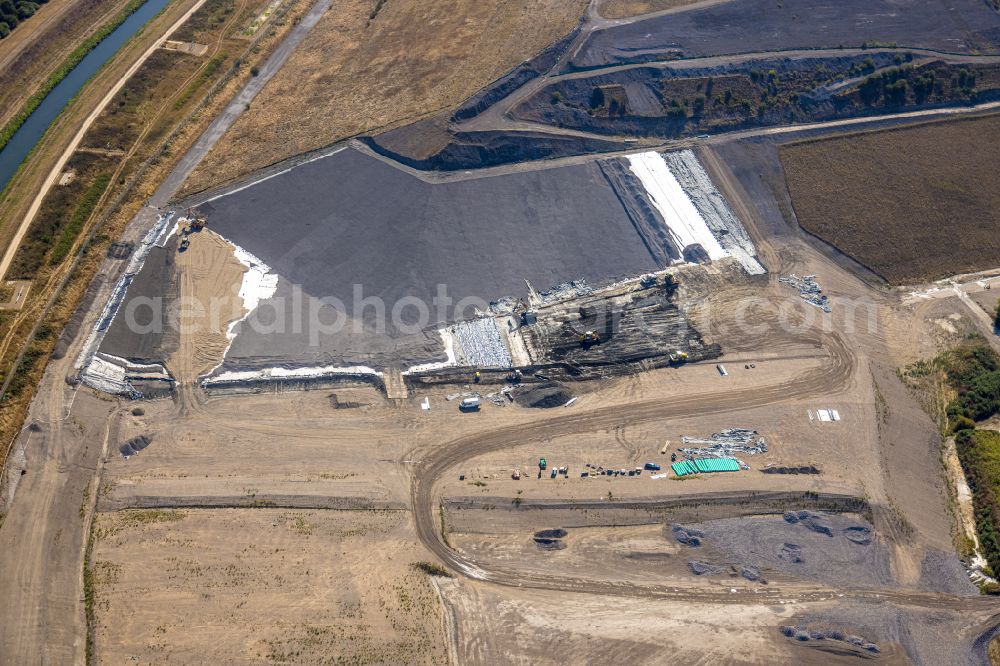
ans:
(614, 9)
(911, 204)
(364, 67)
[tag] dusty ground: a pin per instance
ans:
(290, 577)
(354, 73)
(262, 586)
(535, 627)
(209, 276)
(889, 201)
(987, 300)
(300, 457)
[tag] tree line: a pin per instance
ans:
(13, 12)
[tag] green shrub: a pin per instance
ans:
(432, 569)
(80, 216)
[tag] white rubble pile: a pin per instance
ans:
(809, 290)
(714, 209)
(481, 344)
(683, 220)
(725, 444)
(308, 372)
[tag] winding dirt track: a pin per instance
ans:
(833, 376)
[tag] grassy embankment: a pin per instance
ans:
(67, 65)
(967, 381)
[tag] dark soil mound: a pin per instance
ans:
(134, 445)
(543, 396)
(804, 469)
(549, 544)
(859, 534)
(752, 573)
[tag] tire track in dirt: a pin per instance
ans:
(833, 376)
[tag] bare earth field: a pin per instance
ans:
(277, 528)
(911, 204)
(265, 586)
(354, 74)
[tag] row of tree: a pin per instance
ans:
(973, 371)
(13, 12)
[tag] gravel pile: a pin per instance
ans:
(803, 634)
(699, 568)
(688, 536)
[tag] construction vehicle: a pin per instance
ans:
(478, 377)
(195, 222)
(542, 463)
(589, 339)
(679, 357)
(516, 475)
(469, 405)
(184, 244)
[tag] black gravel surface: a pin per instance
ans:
(350, 219)
(745, 26)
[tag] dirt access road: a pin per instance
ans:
(831, 377)
(43, 535)
(497, 117)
